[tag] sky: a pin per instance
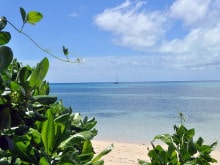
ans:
(134, 40)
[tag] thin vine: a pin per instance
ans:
(36, 17)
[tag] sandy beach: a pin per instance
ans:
(129, 153)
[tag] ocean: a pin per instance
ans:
(136, 112)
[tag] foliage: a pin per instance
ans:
(181, 149)
(35, 128)
(32, 18)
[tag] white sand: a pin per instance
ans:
(129, 153)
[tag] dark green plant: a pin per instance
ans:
(35, 128)
(181, 149)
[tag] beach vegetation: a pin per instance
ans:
(35, 127)
(180, 148)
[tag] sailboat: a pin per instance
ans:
(116, 82)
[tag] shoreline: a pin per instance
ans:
(129, 153)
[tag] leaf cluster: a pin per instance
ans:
(31, 17)
(36, 128)
(180, 149)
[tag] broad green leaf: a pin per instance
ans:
(35, 135)
(87, 147)
(14, 86)
(85, 135)
(159, 148)
(69, 158)
(191, 147)
(199, 142)
(184, 154)
(23, 14)
(2, 85)
(60, 127)
(3, 23)
(4, 37)
(166, 138)
(48, 132)
(6, 57)
(63, 118)
(33, 17)
(5, 117)
(100, 162)
(39, 73)
(44, 161)
(158, 155)
(103, 153)
(23, 149)
(24, 74)
(77, 138)
(44, 89)
(45, 99)
(84, 158)
(205, 149)
(213, 145)
(2, 100)
(89, 123)
(190, 133)
(181, 131)
(174, 155)
(60, 134)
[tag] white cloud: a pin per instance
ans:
(190, 11)
(131, 25)
(139, 29)
(198, 50)
(198, 41)
(192, 61)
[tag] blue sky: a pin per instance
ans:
(153, 40)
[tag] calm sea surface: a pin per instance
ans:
(136, 112)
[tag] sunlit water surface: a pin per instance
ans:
(136, 112)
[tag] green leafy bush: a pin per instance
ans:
(35, 128)
(181, 149)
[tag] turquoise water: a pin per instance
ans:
(136, 112)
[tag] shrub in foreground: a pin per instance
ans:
(181, 149)
(35, 128)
